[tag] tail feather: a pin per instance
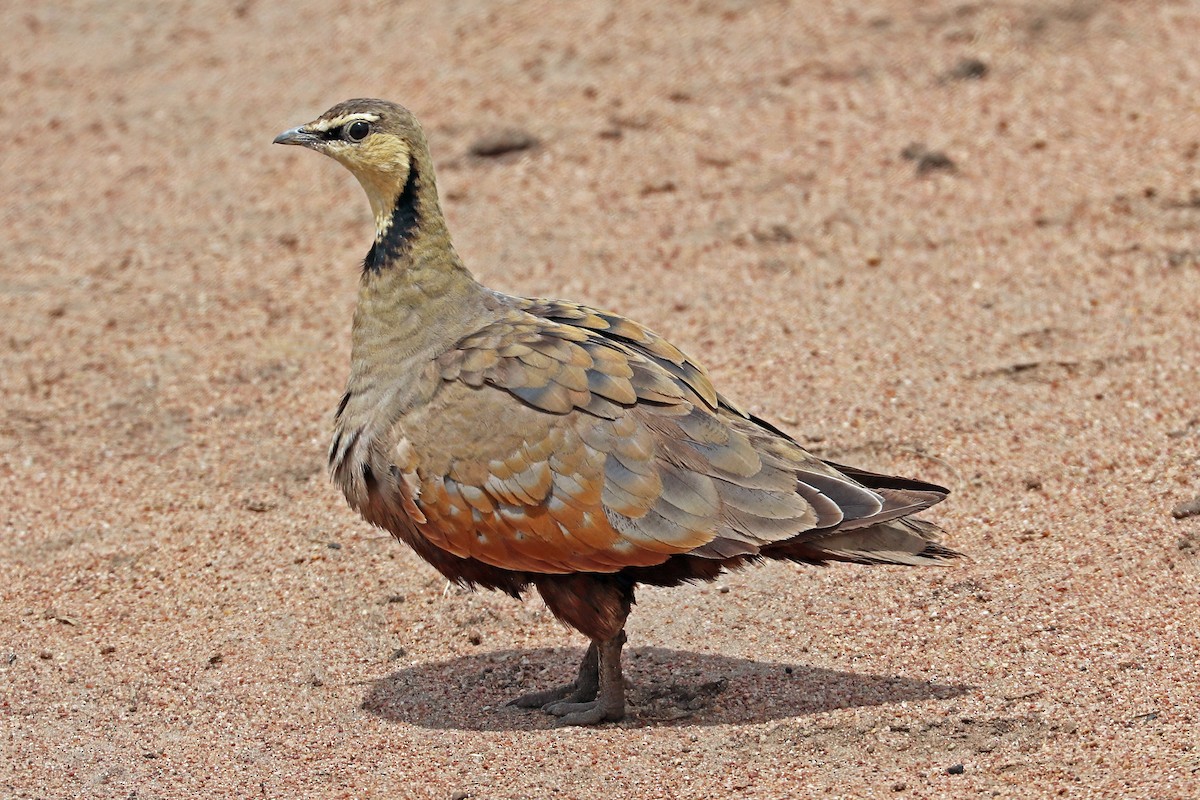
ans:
(877, 480)
(908, 541)
(891, 536)
(895, 506)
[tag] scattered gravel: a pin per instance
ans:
(176, 295)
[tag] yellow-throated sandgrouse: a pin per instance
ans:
(515, 442)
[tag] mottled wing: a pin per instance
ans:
(551, 448)
(560, 368)
(634, 336)
(885, 497)
(819, 481)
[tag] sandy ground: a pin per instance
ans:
(960, 241)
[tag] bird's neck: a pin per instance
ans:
(416, 298)
(409, 226)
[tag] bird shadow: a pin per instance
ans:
(664, 687)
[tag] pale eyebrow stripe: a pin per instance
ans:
(323, 125)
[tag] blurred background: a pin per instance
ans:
(954, 240)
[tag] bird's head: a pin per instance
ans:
(381, 143)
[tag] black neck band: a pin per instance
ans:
(405, 217)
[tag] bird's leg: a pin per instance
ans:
(609, 702)
(596, 605)
(582, 689)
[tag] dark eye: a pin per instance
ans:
(357, 131)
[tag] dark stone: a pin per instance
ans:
(933, 160)
(502, 142)
(968, 69)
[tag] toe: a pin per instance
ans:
(565, 707)
(584, 713)
(540, 699)
(590, 714)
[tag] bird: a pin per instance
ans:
(519, 443)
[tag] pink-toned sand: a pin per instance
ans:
(190, 610)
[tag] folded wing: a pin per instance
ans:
(607, 448)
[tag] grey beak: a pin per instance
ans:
(297, 136)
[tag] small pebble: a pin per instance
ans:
(934, 160)
(657, 187)
(927, 160)
(1184, 510)
(498, 143)
(957, 769)
(967, 69)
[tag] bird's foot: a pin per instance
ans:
(602, 709)
(571, 693)
(609, 702)
(596, 695)
(582, 689)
